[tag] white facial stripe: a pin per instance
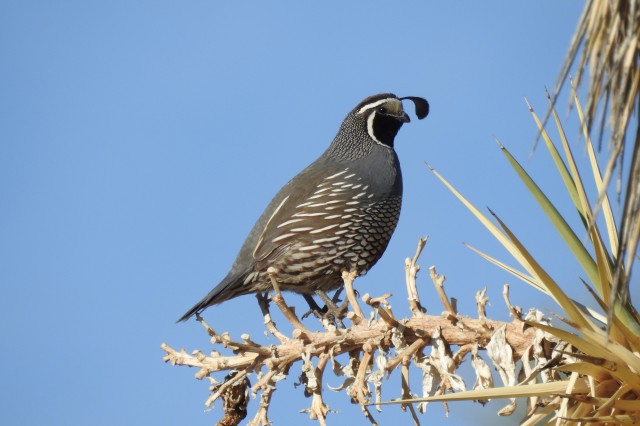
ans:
(373, 105)
(370, 129)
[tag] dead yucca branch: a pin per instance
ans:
(608, 37)
(366, 352)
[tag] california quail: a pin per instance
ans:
(337, 214)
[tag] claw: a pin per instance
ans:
(331, 311)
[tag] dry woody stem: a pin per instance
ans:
(364, 354)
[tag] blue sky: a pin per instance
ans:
(140, 140)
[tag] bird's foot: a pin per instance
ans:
(335, 313)
(332, 305)
(329, 316)
(331, 312)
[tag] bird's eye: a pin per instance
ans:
(382, 110)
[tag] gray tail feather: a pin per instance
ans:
(224, 291)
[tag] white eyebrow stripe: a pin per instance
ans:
(373, 105)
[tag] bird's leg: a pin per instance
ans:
(336, 296)
(330, 311)
(313, 306)
(314, 309)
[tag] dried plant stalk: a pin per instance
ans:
(367, 344)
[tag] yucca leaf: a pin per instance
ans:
(579, 342)
(516, 273)
(563, 228)
(517, 250)
(603, 266)
(629, 358)
(584, 368)
(622, 309)
(534, 389)
(545, 279)
(491, 227)
(628, 322)
(587, 214)
(557, 159)
(618, 419)
(613, 401)
(591, 344)
(532, 282)
(603, 198)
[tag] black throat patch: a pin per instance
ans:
(385, 128)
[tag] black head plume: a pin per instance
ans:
(421, 105)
